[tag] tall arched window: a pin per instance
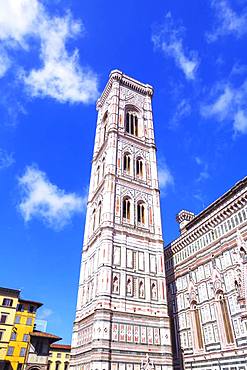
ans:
(141, 213)
(93, 220)
(99, 213)
(132, 123)
(197, 325)
(103, 168)
(104, 126)
(126, 163)
(226, 319)
(97, 177)
(126, 209)
(139, 168)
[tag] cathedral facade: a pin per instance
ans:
(121, 316)
(206, 270)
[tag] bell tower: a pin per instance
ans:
(121, 316)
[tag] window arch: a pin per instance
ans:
(99, 212)
(103, 168)
(126, 209)
(127, 163)
(139, 168)
(141, 213)
(97, 176)
(115, 285)
(131, 125)
(104, 126)
(93, 220)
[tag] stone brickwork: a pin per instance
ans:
(206, 269)
(121, 317)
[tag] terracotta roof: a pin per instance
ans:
(61, 346)
(43, 334)
(39, 304)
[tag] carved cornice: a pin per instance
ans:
(207, 220)
(124, 80)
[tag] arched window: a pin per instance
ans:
(126, 163)
(93, 220)
(141, 213)
(226, 319)
(197, 324)
(131, 123)
(103, 168)
(97, 176)
(104, 126)
(126, 209)
(139, 168)
(99, 213)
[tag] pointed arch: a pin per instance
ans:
(141, 212)
(132, 120)
(127, 163)
(139, 167)
(126, 209)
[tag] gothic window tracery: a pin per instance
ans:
(131, 126)
(126, 209)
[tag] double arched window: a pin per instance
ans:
(141, 212)
(126, 163)
(132, 123)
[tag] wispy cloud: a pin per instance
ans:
(61, 76)
(204, 172)
(45, 313)
(228, 21)
(6, 159)
(169, 38)
(165, 176)
(183, 109)
(43, 200)
(228, 103)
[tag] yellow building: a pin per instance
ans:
(23, 326)
(59, 357)
(8, 303)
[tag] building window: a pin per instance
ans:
(126, 209)
(29, 321)
(20, 307)
(99, 213)
(19, 367)
(139, 168)
(31, 309)
(57, 365)
(25, 338)
(226, 320)
(126, 163)
(132, 123)
(67, 355)
(22, 352)
(66, 365)
(115, 285)
(17, 319)
(141, 213)
(10, 351)
(1, 334)
(3, 318)
(7, 302)
(58, 355)
(93, 220)
(104, 126)
(13, 335)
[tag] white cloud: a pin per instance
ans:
(45, 313)
(61, 75)
(228, 103)
(204, 173)
(4, 63)
(165, 176)
(170, 40)
(183, 110)
(6, 159)
(228, 21)
(44, 200)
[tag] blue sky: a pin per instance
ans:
(55, 58)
